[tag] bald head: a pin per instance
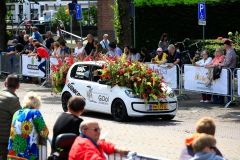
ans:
(85, 124)
(91, 129)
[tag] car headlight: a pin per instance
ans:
(171, 94)
(130, 94)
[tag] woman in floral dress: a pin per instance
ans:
(26, 129)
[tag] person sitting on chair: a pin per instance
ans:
(88, 145)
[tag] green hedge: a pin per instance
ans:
(181, 21)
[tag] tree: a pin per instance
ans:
(3, 31)
(124, 18)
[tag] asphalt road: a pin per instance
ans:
(154, 137)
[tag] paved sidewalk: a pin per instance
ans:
(154, 137)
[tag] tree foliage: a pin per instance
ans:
(172, 2)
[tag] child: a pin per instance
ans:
(205, 148)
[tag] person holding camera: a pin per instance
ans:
(41, 53)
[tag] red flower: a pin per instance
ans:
(64, 80)
(70, 61)
(103, 66)
(135, 78)
(12, 152)
(118, 84)
(121, 72)
(151, 79)
(24, 135)
(59, 62)
(139, 83)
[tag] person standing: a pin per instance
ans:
(163, 43)
(42, 53)
(27, 127)
(36, 34)
(89, 46)
(202, 63)
(9, 104)
(229, 62)
(49, 41)
(20, 38)
(105, 42)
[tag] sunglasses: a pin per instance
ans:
(213, 148)
(94, 129)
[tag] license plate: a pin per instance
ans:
(156, 107)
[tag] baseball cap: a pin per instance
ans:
(15, 41)
(227, 42)
(159, 49)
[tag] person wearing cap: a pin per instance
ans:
(161, 56)
(229, 62)
(18, 47)
(105, 42)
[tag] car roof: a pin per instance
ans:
(97, 63)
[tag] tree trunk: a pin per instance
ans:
(3, 33)
(74, 20)
(124, 17)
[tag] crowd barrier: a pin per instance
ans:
(10, 64)
(193, 79)
(196, 77)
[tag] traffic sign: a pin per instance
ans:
(78, 12)
(202, 23)
(201, 11)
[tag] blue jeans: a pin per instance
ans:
(41, 65)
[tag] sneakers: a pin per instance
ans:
(206, 101)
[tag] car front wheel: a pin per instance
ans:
(66, 96)
(119, 111)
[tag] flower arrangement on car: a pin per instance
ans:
(59, 73)
(143, 81)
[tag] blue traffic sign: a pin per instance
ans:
(78, 12)
(201, 11)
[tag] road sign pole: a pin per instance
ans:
(204, 37)
(81, 27)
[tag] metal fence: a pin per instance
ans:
(10, 64)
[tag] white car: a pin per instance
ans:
(120, 102)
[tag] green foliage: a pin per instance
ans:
(61, 15)
(116, 20)
(172, 2)
(93, 13)
(181, 21)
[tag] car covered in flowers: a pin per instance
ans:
(122, 89)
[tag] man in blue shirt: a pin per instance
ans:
(114, 51)
(65, 52)
(36, 34)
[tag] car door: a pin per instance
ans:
(99, 92)
(79, 81)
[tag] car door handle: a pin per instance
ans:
(72, 83)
